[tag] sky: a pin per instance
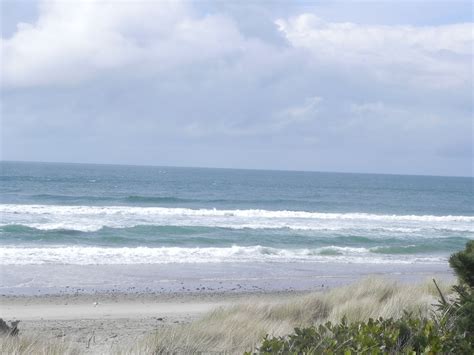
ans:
(347, 86)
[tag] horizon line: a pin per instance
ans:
(226, 168)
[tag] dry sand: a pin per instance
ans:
(99, 323)
(99, 319)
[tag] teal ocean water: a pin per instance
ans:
(97, 214)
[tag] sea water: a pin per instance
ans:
(76, 214)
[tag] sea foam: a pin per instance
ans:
(93, 218)
(85, 255)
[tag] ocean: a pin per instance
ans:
(85, 215)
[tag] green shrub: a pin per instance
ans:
(449, 331)
(461, 309)
(463, 264)
(381, 336)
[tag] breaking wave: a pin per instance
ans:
(93, 218)
(81, 255)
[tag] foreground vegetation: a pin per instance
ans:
(449, 330)
(26, 345)
(242, 327)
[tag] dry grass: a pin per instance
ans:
(29, 345)
(241, 327)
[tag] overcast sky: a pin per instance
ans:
(327, 86)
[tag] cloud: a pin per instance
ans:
(73, 41)
(187, 83)
(298, 114)
(435, 56)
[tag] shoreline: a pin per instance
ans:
(227, 278)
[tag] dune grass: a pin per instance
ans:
(35, 345)
(241, 327)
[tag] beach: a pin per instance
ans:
(111, 322)
(99, 323)
(103, 320)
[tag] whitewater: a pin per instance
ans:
(93, 218)
(58, 214)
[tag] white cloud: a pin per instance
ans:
(74, 40)
(435, 56)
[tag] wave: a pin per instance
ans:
(64, 199)
(54, 197)
(143, 200)
(90, 226)
(80, 255)
(410, 249)
(178, 236)
(94, 218)
(135, 210)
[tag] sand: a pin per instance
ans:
(99, 323)
(57, 303)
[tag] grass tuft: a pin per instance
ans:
(241, 327)
(30, 345)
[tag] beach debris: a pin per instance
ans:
(11, 329)
(91, 339)
(96, 304)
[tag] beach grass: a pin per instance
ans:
(35, 345)
(239, 328)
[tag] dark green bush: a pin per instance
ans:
(449, 331)
(461, 309)
(407, 335)
(463, 264)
